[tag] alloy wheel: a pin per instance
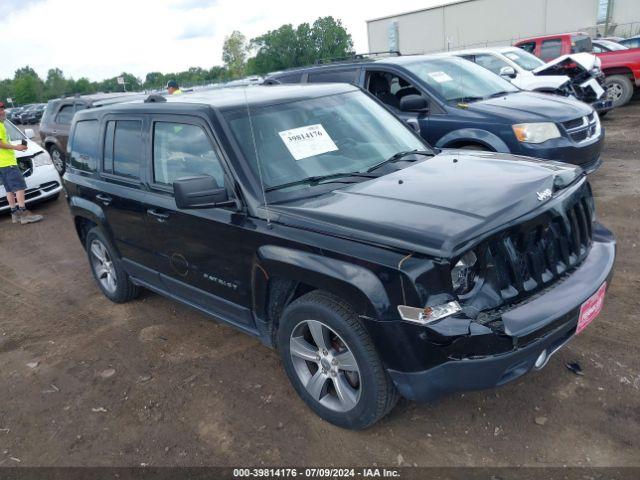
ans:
(56, 158)
(615, 91)
(325, 365)
(103, 266)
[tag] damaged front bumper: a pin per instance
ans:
(603, 105)
(531, 333)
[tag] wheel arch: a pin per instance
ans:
(622, 70)
(471, 136)
(280, 275)
(87, 215)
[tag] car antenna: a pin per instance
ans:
(255, 151)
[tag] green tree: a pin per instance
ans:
(27, 86)
(234, 53)
(154, 80)
(55, 85)
(83, 86)
(330, 39)
(287, 47)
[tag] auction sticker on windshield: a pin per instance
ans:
(305, 142)
(440, 77)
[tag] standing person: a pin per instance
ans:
(173, 88)
(11, 177)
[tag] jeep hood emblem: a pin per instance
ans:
(544, 194)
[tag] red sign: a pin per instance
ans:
(591, 308)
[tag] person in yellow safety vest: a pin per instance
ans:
(11, 176)
(173, 88)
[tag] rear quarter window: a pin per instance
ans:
(290, 78)
(83, 147)
(338, 76)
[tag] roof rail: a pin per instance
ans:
(358, 57)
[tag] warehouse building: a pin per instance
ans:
(475, 23)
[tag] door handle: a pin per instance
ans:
(161, 217)
(106, 199)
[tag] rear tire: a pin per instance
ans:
(107, 271)
(57, 157)
(619, 89)
(356, 391)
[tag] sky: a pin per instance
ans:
(99, 39)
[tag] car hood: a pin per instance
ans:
(32, 149)
(521, 107)
(587, 61)
(438, 206)
(529, 81)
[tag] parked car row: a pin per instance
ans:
(578, 75)
(26, 114)
(455, 103)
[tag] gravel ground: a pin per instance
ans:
(86, 382)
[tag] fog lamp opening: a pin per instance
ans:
(542, 359)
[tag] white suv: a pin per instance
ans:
(43, 181)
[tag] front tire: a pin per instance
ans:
(57, 157)
(619, 89)
(332, 362)
(107, 271)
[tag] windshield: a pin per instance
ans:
(457, 80)
(12, 131)
(613, 46)
(342, 133)
(524, 59)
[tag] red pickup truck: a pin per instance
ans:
(621, 68)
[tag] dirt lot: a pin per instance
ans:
(87, 382)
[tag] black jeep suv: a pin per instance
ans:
(315, 220)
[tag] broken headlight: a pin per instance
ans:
(463, 273)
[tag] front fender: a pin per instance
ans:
(354, 283)
(473, 135)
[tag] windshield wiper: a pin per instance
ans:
(498, 94)
(315, 180)
(398, 156)
(466, 99)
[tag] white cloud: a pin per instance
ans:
(101, 38)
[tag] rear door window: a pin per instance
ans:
(123, 148)
(551, 49)
(65, 115)
(84, 146)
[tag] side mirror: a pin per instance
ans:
(29, 133)
(508, 72)
(414, 103)
(201, 191)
